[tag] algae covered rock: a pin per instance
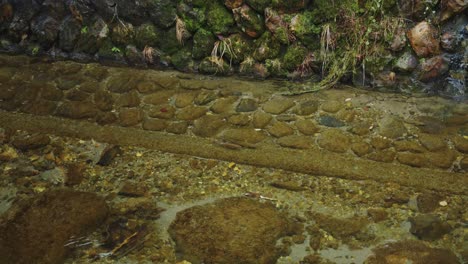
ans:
(147, 35)
(266, 47)
(303, 27)
(249, 21)
(92, 36)
(182, 60)
(122, 33)
(162, 12)
(203, 42)
(232, 230)
(294, 56)
(289, 6)
(210, 65)
(219, 19)
(193, 17)
(39, 230)
(259, 5)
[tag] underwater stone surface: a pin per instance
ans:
(231, 230)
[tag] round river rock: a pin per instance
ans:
(232, 230)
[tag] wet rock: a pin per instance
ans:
(464, 164)
(38, 232)
(108, 155)
(177, 127)
(297, 142)
(406, 63)
(461, 144)
(208, 126)
(361, 128)
(77, 95)
(340, 228)
(381, 143)
(45, 29)
(145, 87)
(154, 124)
(75, 174)
(449, 41)
(261, 119)
(69, 33)
(54, 176)
(424, 39)
(307, 108)
(243, 136)
(330, 121)
(429, 227)
(106, 118)
(239, 230)
(412, 159)
(130, 116)
(247, 105)
(331, 106)
(28, 142)
(184, 99)
(451, 7)
(430, 125)
(391, 127)
(159, 97)
(441, 159)
(377, 214)
(89, 86)
(191, 113)
(361, 148)
(278, 105)
(205, 97)
(428, 202)
(306, 127)
(40, 107)
(239, 119)
(280, 129)
(130, 99)
(250, 22)
(164, 111)
(121, 83)
(334, 140)
(386, 155)
(410, 251)
(431, 142)
(223, 105)
(135, 58)
(132, 189)
(411, 146)
(433, 68)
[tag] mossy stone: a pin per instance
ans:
(203, 42)
(240, 46)
(219, 18)
(266, 47)
(294, 56)
(194, 18)
(170, 45)
(303, 27)
(162, 12)
(207, 66)
(250, 22)
(259, 5)
(147, 35)
(289, 6)
(182, 60)
(122, 34)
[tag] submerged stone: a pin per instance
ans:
(232, 230)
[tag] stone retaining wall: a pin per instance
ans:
(236, 114)
(401, 45)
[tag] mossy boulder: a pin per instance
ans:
(162, 12)
(208, 66)
(239, 48)
(259, 5)
(219, 19)
(203, 42)
(250, 22)
(266, 47)
(193, 17)
(182, 60)
(147, 35)
(109, 52)
(122, 33)
(303, 27)
(275, 67)
(92, 36)
(170, 44)
(289, 6)
(294, 56)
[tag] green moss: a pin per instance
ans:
(266, 47)
(293, 57)
(208, 67)
(170, 45)
(259, 5)
(303, 27)
(182, 60)
(281, 35)
(219, 19)
(203, 42)
(122, 34)
(289, 6)
(193, 17)
(147, 35)
(275, 67)
(240, 46)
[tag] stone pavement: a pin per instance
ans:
(413, 140)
